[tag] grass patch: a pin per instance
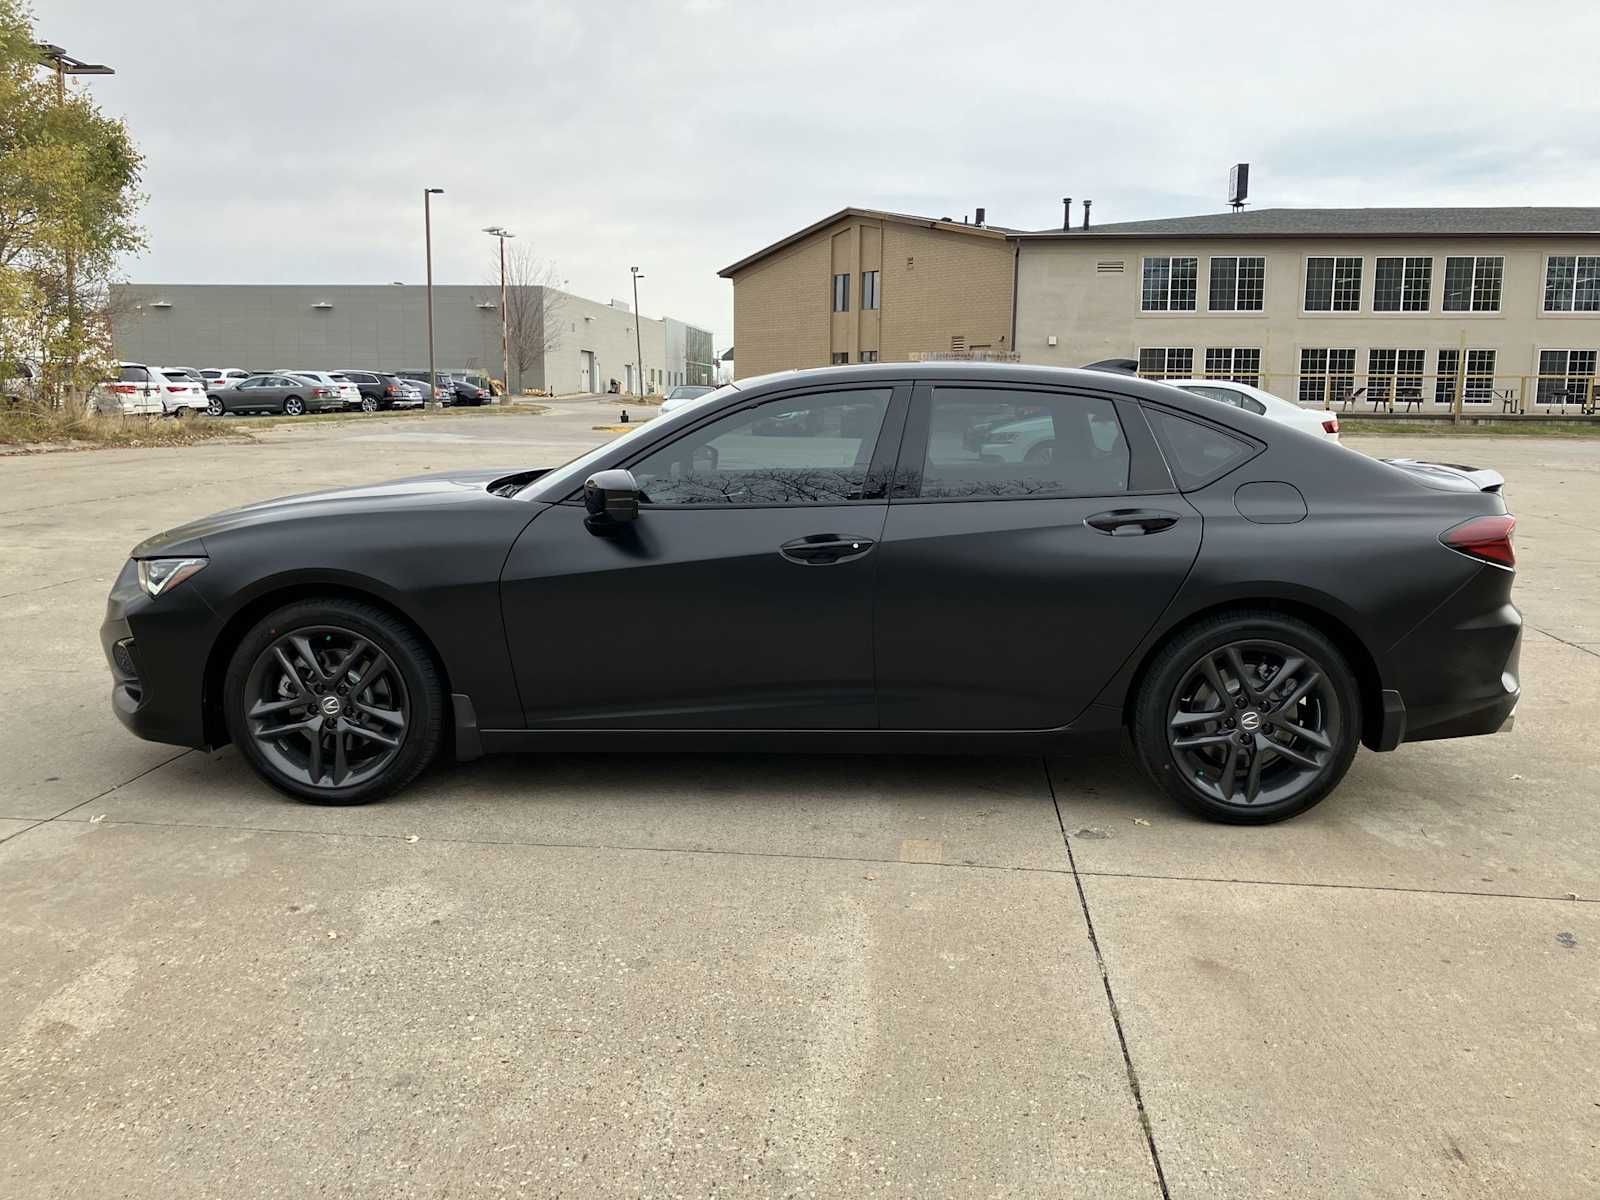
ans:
(1549, 429)
(31, 427)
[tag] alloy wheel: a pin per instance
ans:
(1254, 723)
(214, 408)
(294, 406)
(326, 706)
(369, 404)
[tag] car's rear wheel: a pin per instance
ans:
(294, 406)
(214, 407)
(334, 701)
(369, 404)
(1248, 717)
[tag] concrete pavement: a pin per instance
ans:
(777, 976)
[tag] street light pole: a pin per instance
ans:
(64, 64)
(505, 340)
(427, 235)
(638, 338)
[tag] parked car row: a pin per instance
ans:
(180, 391)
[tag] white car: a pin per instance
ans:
(684, 393)
(349, 393)
(184, 391)
(137, 390)
(222, 377)
(1265, 404)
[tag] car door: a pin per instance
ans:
(741, 597)
(1033, 537)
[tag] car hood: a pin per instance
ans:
(397, 496)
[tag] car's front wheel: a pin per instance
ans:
(334, 701)
(1248, 717)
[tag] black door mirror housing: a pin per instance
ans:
(612, 498)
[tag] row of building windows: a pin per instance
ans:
(841, 357)
(1393, 374)
(1333, 283)
(841, 291)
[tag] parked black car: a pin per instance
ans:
(830, 566)
(379, 389)
(465, 392)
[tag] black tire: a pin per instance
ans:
(214, 407)
(293, 406)
(1248, 653)
(366, 697)
(369, 404)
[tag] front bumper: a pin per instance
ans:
(156, 650)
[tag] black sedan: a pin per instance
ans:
(830, 565)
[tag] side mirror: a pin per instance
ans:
(612, 498)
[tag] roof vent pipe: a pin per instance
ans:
(981, 213)
(1066, 213)
(1086, 205)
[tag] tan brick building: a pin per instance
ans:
(867, 286)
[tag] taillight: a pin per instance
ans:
(1331, 425)
(176, 387)
(124, 389)
(390, 390)
(1485, 538)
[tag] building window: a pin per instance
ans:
(1166, 362)
(841, 293)
(1473, 284)
(1572, 283)
(1237, 284)
(1169, 284)
(1238, 365)
(869, 355)
(1446, 376)
(1395, 375)
(1479, 384)
(1333, 284)
(1402, 284)
(869, 289)
(1565, 377)
(1326, 375)
(840, 357)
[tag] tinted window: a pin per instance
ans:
(1001, 443)
(1197, 453)
(812, 449)
(133, 375)
(1229, 396)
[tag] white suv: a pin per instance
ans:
(217, 378)
(185, 389)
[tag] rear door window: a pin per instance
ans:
(1003, 443)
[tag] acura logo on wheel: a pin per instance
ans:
(331, 706)
(1250, 721)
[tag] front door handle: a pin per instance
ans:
(824, 549)
(1127, 522)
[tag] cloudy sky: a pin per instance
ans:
(289, 141)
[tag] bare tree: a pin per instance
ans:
(533, 309)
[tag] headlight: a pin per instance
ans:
(156, 575)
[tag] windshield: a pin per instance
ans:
(558, 482)
(687, 391)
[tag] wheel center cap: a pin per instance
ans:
(1250, 720)
(331, 706)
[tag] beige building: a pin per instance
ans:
(1415, 305)
(866, 286)
(1495, 309)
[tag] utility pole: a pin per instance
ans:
(64, 64)
(427, 235)
(505, 340)
(638, 338)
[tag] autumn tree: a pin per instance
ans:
(533, 309)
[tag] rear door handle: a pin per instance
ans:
(824, 549)
(1127, 522)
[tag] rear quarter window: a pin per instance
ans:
(1197, 452)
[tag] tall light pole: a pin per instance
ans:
(427, 236)
(64, 64)
(505, 340)
(638, 338)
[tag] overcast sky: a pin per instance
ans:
(289, 141)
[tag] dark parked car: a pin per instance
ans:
(379, 389)
(838, 569)
(465, 392)
(289, 394)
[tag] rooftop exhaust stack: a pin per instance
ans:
(1066, 213)
(981, 214)
(1086, 205)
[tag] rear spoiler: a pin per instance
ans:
(1450, 476)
